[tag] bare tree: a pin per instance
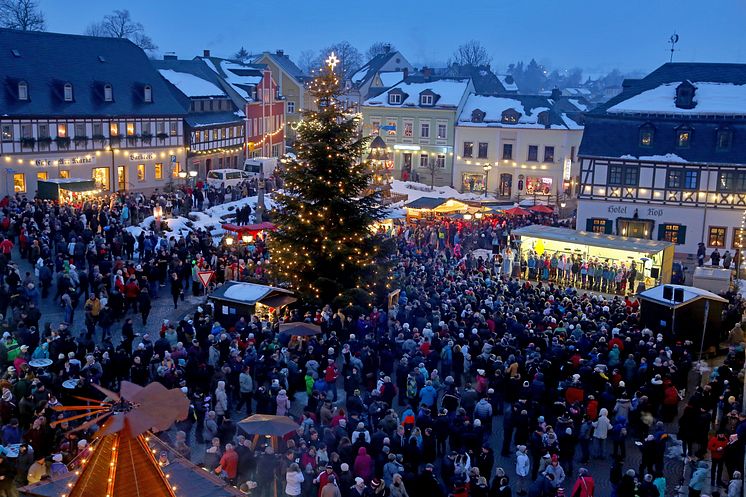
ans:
(472, 53)
(21, 14)
(119, 24)
(308, 60)
(349, 58)
(432, 166)
(378, 48)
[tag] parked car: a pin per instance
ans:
(228, 178)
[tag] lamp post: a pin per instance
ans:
(487, 168)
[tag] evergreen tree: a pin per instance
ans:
(323, 246)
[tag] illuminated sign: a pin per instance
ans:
(399, 146)
(72, 161)
(150, 156)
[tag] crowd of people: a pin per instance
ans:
(478, 382)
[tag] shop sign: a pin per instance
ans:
(72, 161)
(141, 156)
(646, 212)
(567, 169)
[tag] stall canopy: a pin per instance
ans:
(251, 229)
(425, 205)
(250, 294)
(49, 189)
(653, 258)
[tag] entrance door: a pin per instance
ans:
(407, 165)
(635, 228)
(506, 185)
(122, 178)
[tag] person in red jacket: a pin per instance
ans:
(716, 446)
(584, 485)
(229, 463)
(330, 377)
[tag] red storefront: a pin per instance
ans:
(265, 121)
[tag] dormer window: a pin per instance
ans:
(395, 98)
(543, 118)
(723, 139)
(426, 99)
(147, 94)
(108, 93)
(685, 95)
(683, 137)
(477, 116)
(647, 132)
(510, 116)
(68, 92)
(23, 91)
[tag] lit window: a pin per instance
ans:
(148, 93)
(176, 167)
(646, 135)
(68, 92)
(683, 137)
(548, 154)
(623, 175)
(442, 131)
(22, 90)
(441, 161)
(680, 179)
(391, 127)
(408, 129)
(173, 128)
(739, 238)
(130, 129)
(19, 182)
(62, 130)
(674, 233)
(158, 173)
(141, 172)
(510, 116)
(598, 225)
(64, 173)
(716, 236)
(424, 160)
(108, 93)
(42, 176)
(100, 176)
(7, 132)
(114, 129)
(468, 149)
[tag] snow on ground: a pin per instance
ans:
(229, 209)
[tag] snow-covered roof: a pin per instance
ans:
(512, 86)
(449, 93)
(246, 293)
(389, 79)
(691, 294)
(656, 158)
(191, 85)
(241, 77)
(529, 107)
(579, 104)
(710, 98)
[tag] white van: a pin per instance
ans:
(228, 178)
(257, 165)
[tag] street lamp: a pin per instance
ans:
(182, 174)
(229, 240)
(467, 217)
(487, 168)
(246, 238)
(563, 203)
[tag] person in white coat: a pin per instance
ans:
(601, 429)
(522, 467)
(294, 479)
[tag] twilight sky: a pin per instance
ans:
(592, 34)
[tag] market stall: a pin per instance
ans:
(234, 299)
(652, 258)
(428, 206)
(65, 190)
(246, 232)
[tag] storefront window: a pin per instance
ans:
(19, 182)
(473, 183)
(158, 170)
(674, 233)
(716, 236)
(130, 129)
(42, 175)
(538, 185)
(64, 173)
(739, 238)
(176, 167)
(101, 176)
(598, 225)
(114, 129)
(141, 172)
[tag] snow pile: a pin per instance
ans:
(710, 98)
(191, 85)
(228, 210)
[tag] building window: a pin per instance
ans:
(723, 139)
(408, 129)
(681, 179)
(646, 135)
(507, 151)
(685, 95)
(19, 183)
(22, 90)
(158, 171)
(424, 130)
(141, 172)
(548, 154)
(469, 149)
(98, 129)
(510, 116)
(7, 132)
(174, 128)
(716, 236)
(100, 175)
(160, 127)
(482, 150)
(683, 137)
(426, 99)
(176, 167)
(64, 173)
(674, 233)
(391, 128)
(291, 107)
(62, 130)
(533, 153)
(147, 94)
(43, 130)
(732, 181)
(108, 93)
(623, 175)
(26, 131)
(442, 131)
(130, 129)
(113, 129)
(598, 225)
(739, 238)
(79, 130)
(42, 176)
(423, 160)
(441, 161)
(68, 92)
(394, 98)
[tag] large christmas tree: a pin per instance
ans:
(323, 246)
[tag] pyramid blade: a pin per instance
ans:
(71, 418)
(90, 423)
(129, 390)
(112, 395)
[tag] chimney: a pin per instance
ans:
(426, 73)
(556, 94)
(280, 52)
(205, 53)
(406, 72)
(169, 56)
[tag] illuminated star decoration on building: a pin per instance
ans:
(332, 61)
